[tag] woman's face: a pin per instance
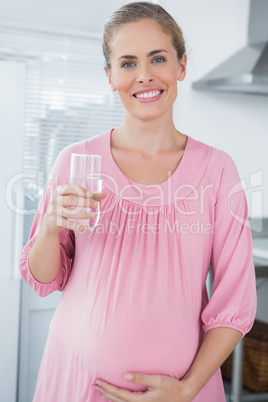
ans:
(145, 69)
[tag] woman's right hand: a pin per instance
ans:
(71, 201)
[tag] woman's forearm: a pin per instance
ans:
(45, 259)
(216, 347)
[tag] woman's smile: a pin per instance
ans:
(149, 95)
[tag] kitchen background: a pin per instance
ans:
(53, 91)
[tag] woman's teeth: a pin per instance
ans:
(148, 94)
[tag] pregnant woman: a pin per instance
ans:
(134, 322)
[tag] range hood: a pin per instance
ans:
(247, 70)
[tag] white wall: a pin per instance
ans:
(236, 123)
(12, 97)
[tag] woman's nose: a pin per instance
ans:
(144, 79)
(145, 75)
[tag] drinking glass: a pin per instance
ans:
(85, 172)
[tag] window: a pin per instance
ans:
(68, 97)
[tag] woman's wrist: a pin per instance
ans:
(48, 228)
(190, 386)
(216, 347)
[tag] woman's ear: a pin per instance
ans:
(182, 68)
(109, 75)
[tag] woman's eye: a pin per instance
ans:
(159, 60)
(128, 64)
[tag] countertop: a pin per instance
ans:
(260, 247)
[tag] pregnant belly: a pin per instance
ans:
(141, 346)
(147, 340)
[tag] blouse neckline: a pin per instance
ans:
(179, 167)
(181, 184)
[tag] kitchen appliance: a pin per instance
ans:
(247, 70)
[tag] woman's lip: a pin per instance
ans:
(149, 99)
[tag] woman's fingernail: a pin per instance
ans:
(129, 376)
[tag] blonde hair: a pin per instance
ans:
(133, 12)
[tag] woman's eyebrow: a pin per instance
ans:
(152, 53)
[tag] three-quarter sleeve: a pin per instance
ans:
(233, 301)
(57, 177)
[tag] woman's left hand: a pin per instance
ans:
(161, 388)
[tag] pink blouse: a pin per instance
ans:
(134, 295)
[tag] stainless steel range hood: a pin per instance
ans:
(247, 70)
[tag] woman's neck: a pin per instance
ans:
(149, 137)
